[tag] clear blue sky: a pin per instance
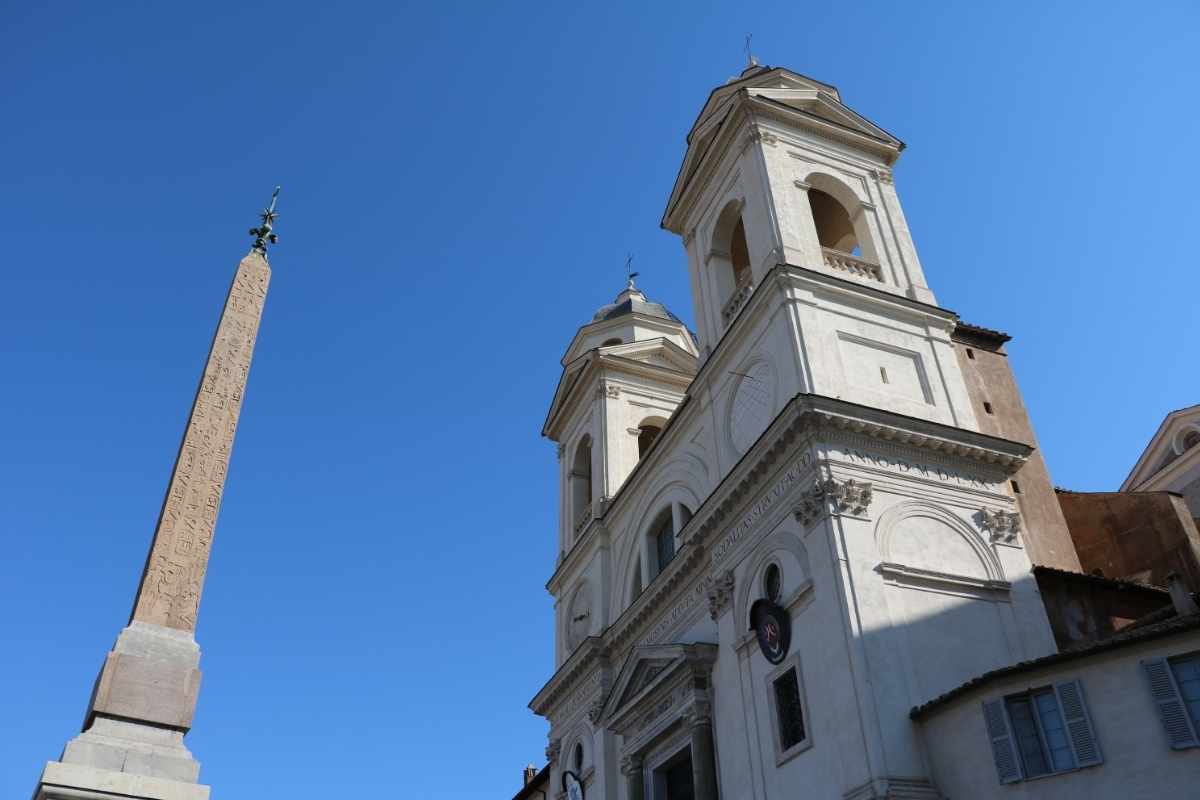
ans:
(461, 184)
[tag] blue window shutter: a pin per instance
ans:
(1079, 724)
(1008, 768)
(1178, 725)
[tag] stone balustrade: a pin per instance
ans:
(737, 301)
(585, 516)
(844, 262)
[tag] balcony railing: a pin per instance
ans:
(844, 262)
(585, 516)
(737, 301)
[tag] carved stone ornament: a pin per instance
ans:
(553, 749)
(831, 496)
(608, 390)
(594, 711)
(698, 714)
(720, 592)
(561, 449)
(884, 176)
(1001, 526)
(631, 765)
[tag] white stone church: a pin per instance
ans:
(808, 551)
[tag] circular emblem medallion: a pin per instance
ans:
(572, 786)
(773, 629)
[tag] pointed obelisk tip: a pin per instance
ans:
(264, 234)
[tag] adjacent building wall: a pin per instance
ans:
(990, 381)
(1142, 536)
(1085, 608)
(1138, 759)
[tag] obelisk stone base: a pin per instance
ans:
(132, 742)
(81, 782)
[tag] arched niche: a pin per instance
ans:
(785, 549)
(925, 540)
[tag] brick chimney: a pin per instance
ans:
(530, 773)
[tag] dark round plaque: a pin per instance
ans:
(572, 786)
(773, 628)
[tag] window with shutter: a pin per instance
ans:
(1041, 732)
(1007, 767)
(1179, 724)
(1079, 724)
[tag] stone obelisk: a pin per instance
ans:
(132, 745)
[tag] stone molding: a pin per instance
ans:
(1001, 526)
(631, 764)
(553, 749)
(831, 497)
(720, 592)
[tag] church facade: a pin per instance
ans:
(797, 549)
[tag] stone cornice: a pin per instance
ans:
(744, 108)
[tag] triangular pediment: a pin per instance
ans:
(1168, 445)
(649, 667)
(783, 90)
(647, 357)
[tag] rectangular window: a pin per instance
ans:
(987, 407)
(970, 354)
(1040, 733)
(789, 709)
(1187, 678)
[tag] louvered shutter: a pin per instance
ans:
(1166, 696)
(1079, 724)
(1008, 768)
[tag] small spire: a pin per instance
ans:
(264, 233)
(630, 274)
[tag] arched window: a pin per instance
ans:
(834, 228)
(636, 589)
(739, 255)
(648, 431)
(663, 534)
(577, 759)
(581, 483)
(1190, 439)
(729, 262)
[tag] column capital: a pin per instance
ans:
(631, 764)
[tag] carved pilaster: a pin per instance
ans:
(884, 176)
(631, 764)
(1001, 526)
(720, 592)
(831, 497)
(553, 749)
(594, 711)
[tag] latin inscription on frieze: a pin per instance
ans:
(739, 531)
(920, 470)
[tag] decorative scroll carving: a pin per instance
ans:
(553, 749)
(594, 710)
(560, 450)
(884, 176)
(720, 592)
(631, 765)
(608, 390)
(831, 496)
(1001, 526)
(170, 590)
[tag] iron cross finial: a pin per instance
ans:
(629, 273)
(264, 233)
(751, 61)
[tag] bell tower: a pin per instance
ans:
(779, 172)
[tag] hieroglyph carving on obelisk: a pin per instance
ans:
(174, 576)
